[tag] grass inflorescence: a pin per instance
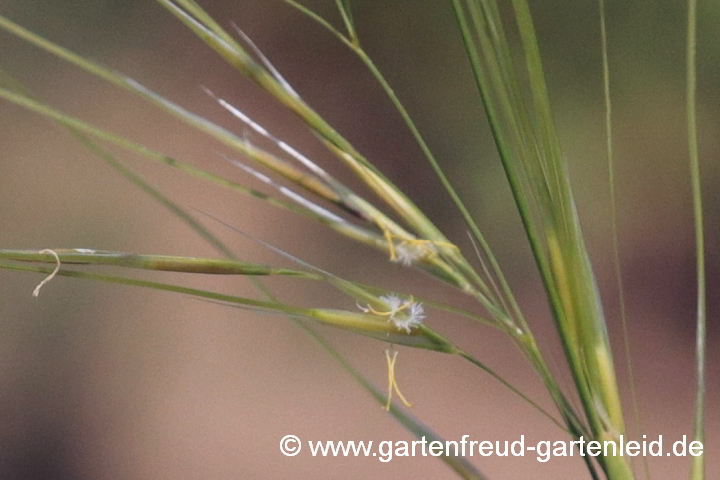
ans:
(517, 104)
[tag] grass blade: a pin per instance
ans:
(346, 14)
(162, 263)
(537, 172)
(614, 229)
(698, 463)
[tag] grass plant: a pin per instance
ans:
(512, 86)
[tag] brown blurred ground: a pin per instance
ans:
(106, 382)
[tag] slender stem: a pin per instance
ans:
(344, 9)
(614, 228)
(508, 385)
(698, 463)
(163, 263)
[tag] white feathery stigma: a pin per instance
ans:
(408, 253)
(393, 302)
(412, 319)
(404, 314)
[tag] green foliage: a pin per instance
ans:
(523, 129)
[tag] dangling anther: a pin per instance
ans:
(392, 383)
(391, 246)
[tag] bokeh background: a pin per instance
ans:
(108, 382)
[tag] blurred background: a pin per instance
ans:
(107, 382)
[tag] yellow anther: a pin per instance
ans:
(429, 252)
(391, 246)
(433, 243)
(376, 312)
(392, 383)
(392, 312)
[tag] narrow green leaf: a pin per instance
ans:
(614, 229)
(165, 263)
(343, 7)
(698, 463)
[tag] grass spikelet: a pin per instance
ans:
(376, 211)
